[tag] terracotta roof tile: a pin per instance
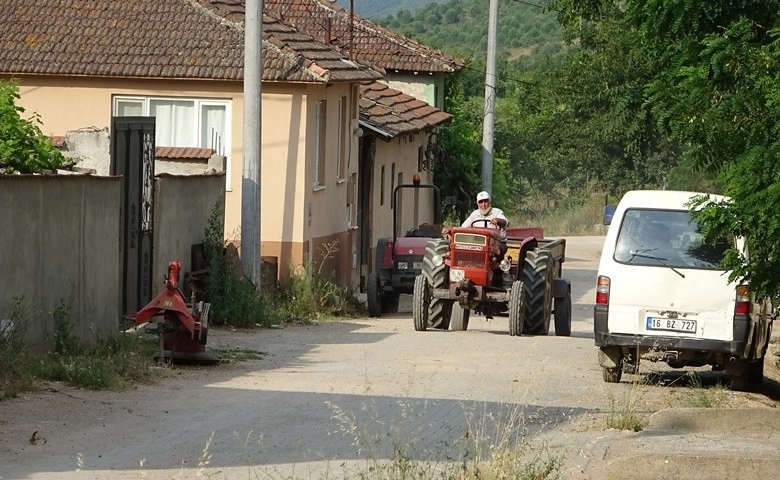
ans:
(372, 44)
(171, 39)
(183, 153)
(390, 112)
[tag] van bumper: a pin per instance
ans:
(604, 338)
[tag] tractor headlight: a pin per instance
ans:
(437, 260)
(504, 266)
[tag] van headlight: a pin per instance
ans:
(437, 260)
(504, 266)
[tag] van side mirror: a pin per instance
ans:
(609, 212)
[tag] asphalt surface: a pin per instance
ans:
(327, 400)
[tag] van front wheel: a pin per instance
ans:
(612, 375)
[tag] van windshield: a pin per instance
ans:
(666, 238)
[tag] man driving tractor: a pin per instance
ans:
(488, 216)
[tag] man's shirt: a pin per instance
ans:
(491, 214)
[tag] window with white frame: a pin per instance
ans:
(321, 135)
(183, 122)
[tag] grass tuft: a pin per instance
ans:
(704, 397)
(623, 413)
(112, 361)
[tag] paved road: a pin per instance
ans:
(329, 396)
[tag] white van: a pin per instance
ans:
(662, 296)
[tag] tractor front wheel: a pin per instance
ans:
(374, 294)
(516, 309)
(440, 309)
(460, 318)
(420, 303)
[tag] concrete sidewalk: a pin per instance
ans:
(690, 443)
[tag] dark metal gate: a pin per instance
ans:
(132, 157)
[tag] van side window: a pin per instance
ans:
(666, 238)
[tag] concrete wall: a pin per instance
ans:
(293, 211)
(182, 206)
(59, 241)
(90, 147)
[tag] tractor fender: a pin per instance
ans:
(560, 287)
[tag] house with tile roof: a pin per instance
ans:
(80, 62)
(181, 61)
(408, 66)
(398, 126)
(395, 145)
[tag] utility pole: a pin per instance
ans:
(351, 29)
(490, 100)
(250, 179)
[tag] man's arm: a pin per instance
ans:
(499, 218)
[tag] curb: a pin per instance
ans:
(691, 467)
(737, 420)
(743, 426)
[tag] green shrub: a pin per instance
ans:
(234, 299)
(313, 294)
(23, 146)
(112, 361)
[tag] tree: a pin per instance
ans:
(711, 84)
(23, 146)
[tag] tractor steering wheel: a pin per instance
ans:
(484, 221)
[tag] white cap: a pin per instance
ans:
(483, 195)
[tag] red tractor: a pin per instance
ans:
(464, 273)
(399, 260)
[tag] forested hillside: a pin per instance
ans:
(379, 8)
(525, 29)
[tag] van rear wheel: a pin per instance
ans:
(755, 372)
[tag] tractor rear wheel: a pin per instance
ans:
(420, 303)
(374, 294)
(440, 309)
(562, 315)
(516, 309)
(537, 276)
(460, 318)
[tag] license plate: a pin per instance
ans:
(671, 324)
(457, 275)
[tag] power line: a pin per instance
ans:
(529, 4)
